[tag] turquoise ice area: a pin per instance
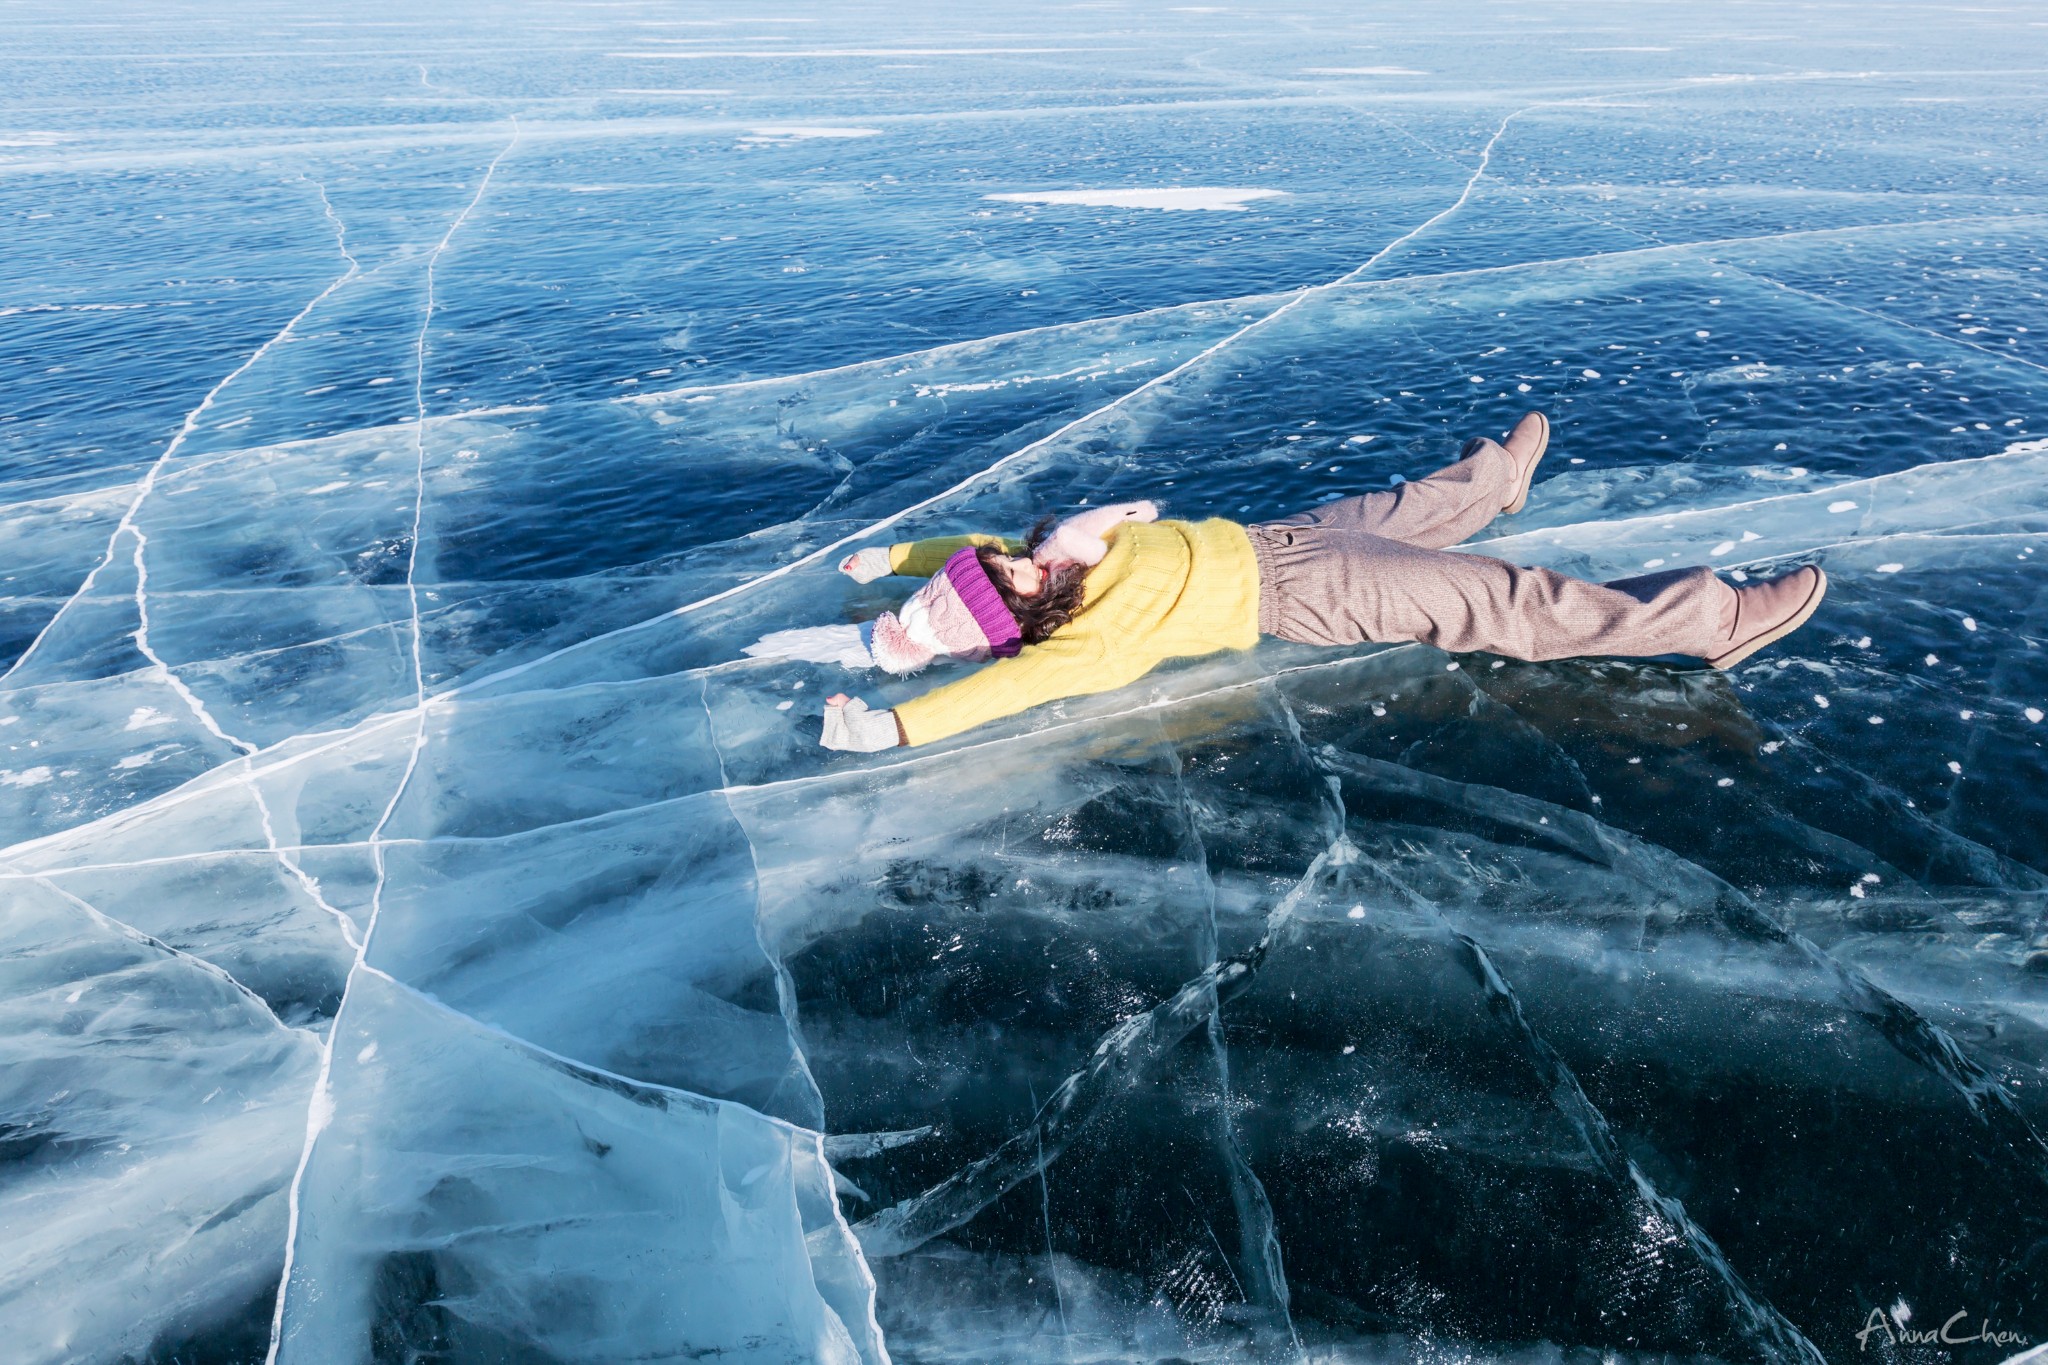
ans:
(427, 937)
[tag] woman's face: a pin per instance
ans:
(1023, 575)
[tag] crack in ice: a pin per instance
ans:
(1910, 1033)
(1259, 1238)
(135, 935)
(785, 985)
(177, 442)
(1886, 318)
(320, 1107)
(158, 667)
(1123, 1058)
(1767, 1329)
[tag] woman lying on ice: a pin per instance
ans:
(1113, 592)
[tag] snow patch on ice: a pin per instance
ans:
(845, 645)
(1178, 198)
(782, 134)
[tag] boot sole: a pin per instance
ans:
(1779, 631)
(1529, 474)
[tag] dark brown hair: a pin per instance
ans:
(1046, 610)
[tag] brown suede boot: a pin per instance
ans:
(1527, 442)
(1767, 612)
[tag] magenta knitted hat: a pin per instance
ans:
(958, 612)
(964, 571)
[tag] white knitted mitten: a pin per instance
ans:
(865, 566)
(850, 726)
(1083, 537)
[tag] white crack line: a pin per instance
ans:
(177, 442)
(321, 1105)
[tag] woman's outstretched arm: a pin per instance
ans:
(916, 558)
(1063, 666)
(923, 558)
(1066, 665)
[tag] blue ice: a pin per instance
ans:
(430, 934)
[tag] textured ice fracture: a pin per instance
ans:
(431, 929)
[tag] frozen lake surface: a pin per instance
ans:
(414, 899)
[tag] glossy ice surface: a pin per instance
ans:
(413, 897)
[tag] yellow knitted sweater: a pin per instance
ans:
(1166, 589)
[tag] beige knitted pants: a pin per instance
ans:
(1374, 568)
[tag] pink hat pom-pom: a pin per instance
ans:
(893, 648)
